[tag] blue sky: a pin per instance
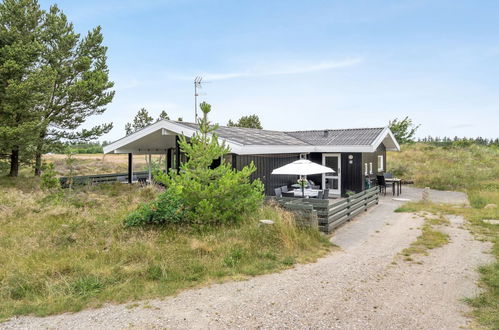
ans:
(303, 64)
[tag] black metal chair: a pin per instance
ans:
(278, 192)
(325, 194)
(382, 183)
(320, 194)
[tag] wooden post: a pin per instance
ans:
(130, 167)
(177, 156)
(150, 169)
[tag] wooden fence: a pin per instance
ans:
(332, 214)
(81, 180)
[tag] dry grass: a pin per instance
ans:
(87, 164)
(67, 251)
(474, 170)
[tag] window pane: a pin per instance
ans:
(332, 162)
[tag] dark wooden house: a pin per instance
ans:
(354, 154)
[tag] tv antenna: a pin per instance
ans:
(197, 85)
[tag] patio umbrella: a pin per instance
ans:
(302, 167)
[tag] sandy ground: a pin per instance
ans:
(366, 285)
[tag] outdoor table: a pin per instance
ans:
(310, 193)
(396, 182)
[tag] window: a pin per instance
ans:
(365, 169)
(303, 156)
(380, 163)
(371, 168)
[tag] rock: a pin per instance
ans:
(491, 221)
(490, 206)
(426, 194)
(266, 222)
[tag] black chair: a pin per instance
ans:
(325, 194)
(284, 189)
(312, 185)
(278, 192)
(320, 194)
(382, 183)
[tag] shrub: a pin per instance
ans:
(165, 209)
(48, 177)
(212, 195)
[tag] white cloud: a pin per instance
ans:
(278, 69)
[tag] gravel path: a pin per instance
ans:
(366, 285)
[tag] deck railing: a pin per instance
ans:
(332, 214)
(81, 180)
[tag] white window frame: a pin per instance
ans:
(380, 163)
(365, 168)
(370, 168)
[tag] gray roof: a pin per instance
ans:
(339, 137)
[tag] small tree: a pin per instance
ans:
(251, 121)
(141, 120)
(163, 115)
(403, 130)
(212, 195)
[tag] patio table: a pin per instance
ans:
(310, 193)
(396, 182)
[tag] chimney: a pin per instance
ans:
(326, 133)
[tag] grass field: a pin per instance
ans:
(87, 164)
(67, 251)
(474, 170)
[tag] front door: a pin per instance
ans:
(332, 181)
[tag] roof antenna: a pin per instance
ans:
(197, 85)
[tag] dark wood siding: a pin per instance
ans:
(264, 166)
(351, 176)
(372, 157)
(351, 173)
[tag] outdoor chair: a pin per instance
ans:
(320, 194)
(284, 189)
(325, 194)
(278, 192)
(312, 185)
(382, 183)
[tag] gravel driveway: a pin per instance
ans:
(365, 285)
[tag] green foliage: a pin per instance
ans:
(49, 178)
(141, 120)
(252, 121)
(212, 196)
(163, 115)
(52, 80)
(403, 130)
(165, 209)
(70, 251)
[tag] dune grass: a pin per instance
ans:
(474, 170)
(62, 252)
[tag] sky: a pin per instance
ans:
(302, 65)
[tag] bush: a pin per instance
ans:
(212, 196)
(165, 209)
(48, 177)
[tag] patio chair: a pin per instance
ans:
(325, 194)
(284, 189)
(382, 183)
(278, 192)
(320, 194)
(312, 185)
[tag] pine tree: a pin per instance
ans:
(141, 120)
